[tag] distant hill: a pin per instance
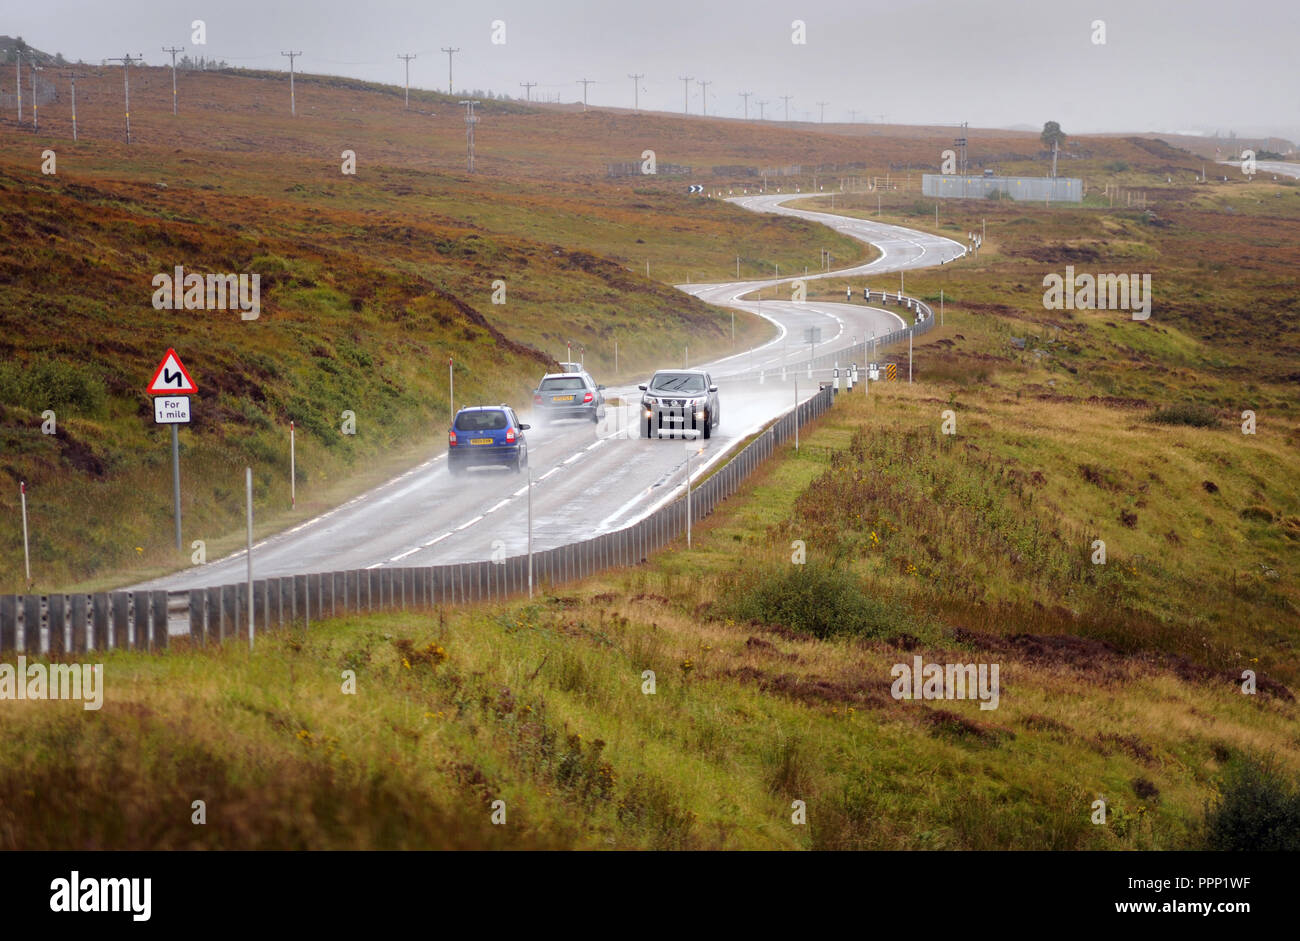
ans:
(9, 46)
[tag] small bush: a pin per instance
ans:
(1186, 413)
(1117, 166)
(1258, 808)
(52, 384)
(815, 599)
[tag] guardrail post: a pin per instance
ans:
(161, 632)
(229, 612)
(140, 620)
(80, 615)
(198, 625)
(8, 623)
(56, 607)
(32, 624)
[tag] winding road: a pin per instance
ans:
(587, 479)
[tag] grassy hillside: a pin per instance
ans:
(544, 704)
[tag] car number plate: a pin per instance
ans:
(562, 398)
(673, 418)
(480, 440)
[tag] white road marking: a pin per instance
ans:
(469, 524)
(436, 539)
(498, 506)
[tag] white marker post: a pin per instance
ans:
(293, 470)
(530, 532)
(688, 492)
(909, 356)
(248, 500)
(451, 391)
(27, 559)
(941, 307)
(796, 414)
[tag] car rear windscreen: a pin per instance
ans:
(668, 382)
(563, 384)
(481, 421)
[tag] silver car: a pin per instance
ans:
(569, 395)
(677, 401)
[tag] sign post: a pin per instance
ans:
(171, 387)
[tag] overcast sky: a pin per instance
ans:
(1166, 65)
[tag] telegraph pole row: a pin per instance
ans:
(293, 105)
(126, 61)
(407, 59)
(173, 50)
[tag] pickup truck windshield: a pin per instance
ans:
(676, 382)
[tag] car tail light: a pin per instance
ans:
(510, 436)
(586, 398)
(451, 439)
(537, 398)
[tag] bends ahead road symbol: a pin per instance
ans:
(171, 377)
(695, 188)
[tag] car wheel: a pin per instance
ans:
(708, 424)
(521, 462)
(645, 428)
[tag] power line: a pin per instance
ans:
(636, 90)
(126, 61)
(760, 109)
(173, 50)
(704, 96)
(584, 82)
(745, 95)
(786, 99)
(822, 105)
(293, 103)
(528, 88)
(686, 90)
(407, 59)
(470, 120)
(450, 52)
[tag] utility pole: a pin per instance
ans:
(584, 82)
(173, 50)
(293, 104)
(636, 91)
(760, 109)
(73, 76)
(822, 105)
(528, 89)
(126, 61)
(407, 59)
(686, 90)
(745, 95)
(853, 116)
(786, 99)
(450, 52)
(470, 121)
(704, 96)
(34, 68)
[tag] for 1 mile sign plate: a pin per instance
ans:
(171, 410)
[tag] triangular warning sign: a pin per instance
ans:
(171, 378)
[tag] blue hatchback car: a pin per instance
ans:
(487, 435)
